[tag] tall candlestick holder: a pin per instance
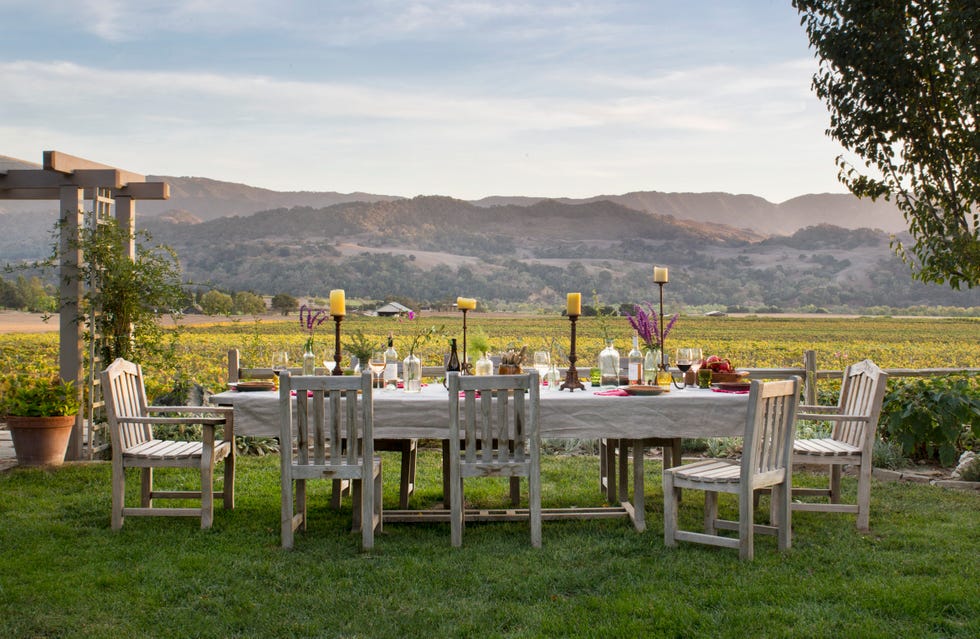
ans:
(337, 370)
(464, 365)
(571, 376)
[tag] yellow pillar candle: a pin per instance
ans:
(574, 305)
(660, 274)
(338, 302)
(465, 303)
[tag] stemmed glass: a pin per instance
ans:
(280, 362)
(688, 358)
(542, 362)
(377, 365)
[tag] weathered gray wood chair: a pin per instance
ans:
(493, 432)
(328, 435)
(131, 423)
(407, 447)
(766, 463)
(855, 424)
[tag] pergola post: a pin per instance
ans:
(72, 180)
(70, 294)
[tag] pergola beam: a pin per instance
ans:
(69, 164)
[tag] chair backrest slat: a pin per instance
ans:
(494, 425)
(125, 396)
(333, 414)
(770, 427)
(862, 393)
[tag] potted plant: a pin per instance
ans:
(40, 414)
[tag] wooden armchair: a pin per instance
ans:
(855, 423)
(493, 432)
(328, 436)
(131, 423)
(766, 463)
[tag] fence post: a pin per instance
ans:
(810, 373)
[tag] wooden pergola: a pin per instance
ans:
(73, 181)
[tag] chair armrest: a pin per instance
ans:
(832, 418)
(195, 410)
(807, 408)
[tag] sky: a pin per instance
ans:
(466, 98)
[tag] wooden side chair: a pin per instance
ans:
(329, 435)
(131, 423)
(407, 447)
(493, 432)
(766, 463)
(855, 424)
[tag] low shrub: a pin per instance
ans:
(932, 417)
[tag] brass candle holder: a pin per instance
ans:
(571, 376)
(337, 370)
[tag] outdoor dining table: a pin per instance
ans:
(582, 414)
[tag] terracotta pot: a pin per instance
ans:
(507, 369)
(40, 441)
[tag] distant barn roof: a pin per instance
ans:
(393, 308)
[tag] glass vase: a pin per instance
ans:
(650, 366)
(484, 365)
(412, 374)
(609, 366)
(309, 362)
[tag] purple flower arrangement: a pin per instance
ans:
(647, 326)
(309, 319)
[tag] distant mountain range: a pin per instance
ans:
(730, 251)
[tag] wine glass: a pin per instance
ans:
(542, 362)
(280, 362)
(328, 362)
(377, 364)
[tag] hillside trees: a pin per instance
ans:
(901, 79)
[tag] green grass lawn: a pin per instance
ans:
(64, 573)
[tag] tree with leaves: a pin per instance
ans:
(901, 79)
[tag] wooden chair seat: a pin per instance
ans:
(824, 447)
(131, 422)
(711, 471)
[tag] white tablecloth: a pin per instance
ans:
(564, 415)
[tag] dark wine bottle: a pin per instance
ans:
(453, 363)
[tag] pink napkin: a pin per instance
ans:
(402, 384)
(612, 392)
(308, 393)
(732, 392)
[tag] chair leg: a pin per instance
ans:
(146, 487)
(358, 500)
(366, 515)
(864, 494)
(835, 483)
(207, 492)
(300, 490)
(670, 510)
(229, 487)
(456, 499)
(746, 526)
(710, 512)
(782, 514)
(446, 473)
(286, 512)
(378, 511)
(118, 491)
(534, 505)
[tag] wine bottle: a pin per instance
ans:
(635, 363)
(391, 365)
(453, 364)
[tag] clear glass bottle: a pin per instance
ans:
(309, 359)
(412, 373)
(650, 366)
(609, 366)
(635, 363)
(484, 365)
(391, 365)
